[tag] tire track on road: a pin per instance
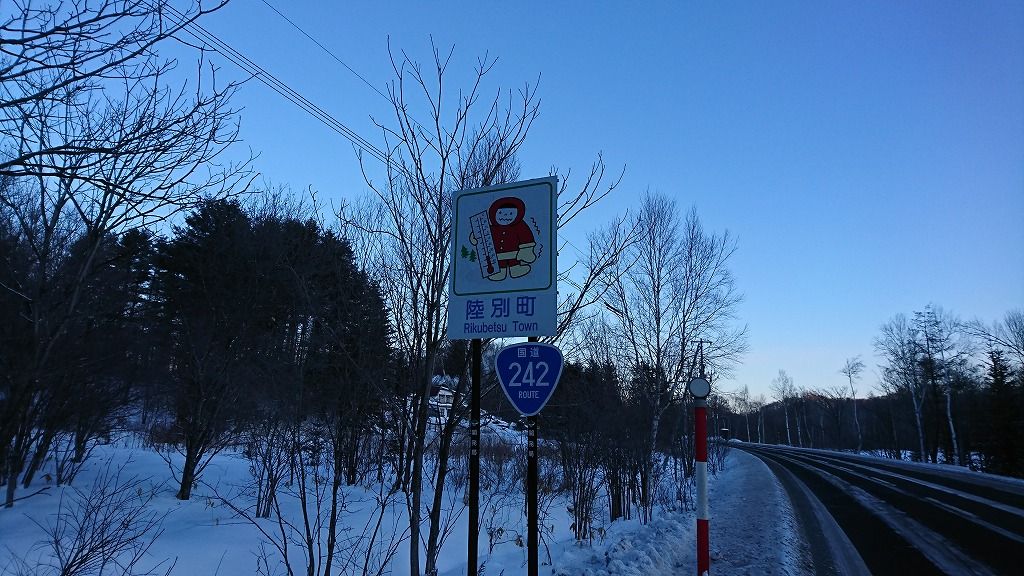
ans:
(899, 523)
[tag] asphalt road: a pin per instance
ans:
(866, 515)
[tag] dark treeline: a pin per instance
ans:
(249, 327)
(235, 320)
(948, 392)
(95, 149)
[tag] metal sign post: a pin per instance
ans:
(532, 524)
(529, 374)
(474, 461)
(504, 271)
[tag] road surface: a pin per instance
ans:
(866, 515)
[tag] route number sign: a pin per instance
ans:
(529, 373)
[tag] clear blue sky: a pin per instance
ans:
(869, 157)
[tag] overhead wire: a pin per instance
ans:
(210, 39)
(256, 71)
(326, 50)
(338, 59)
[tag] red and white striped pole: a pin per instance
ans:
(700, 408)
(700, 388)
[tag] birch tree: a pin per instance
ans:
(897, 346)
(744, 404)
(671, 289)
(940, 351)
(852, 369)
(782, 387)
(1007, 334)
(758, 404)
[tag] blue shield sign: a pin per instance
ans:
(529, 373)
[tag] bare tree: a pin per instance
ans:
(467, 140)
(758, 403)
(671, 289)
(782, 387)
(801, 415)
(584, 284)
(744, 405)
(940, 351)
(897, 345)
(426, 164)
(852, 370)
(95, 141)
(1007, 334)
(87, 112)
(501, 469)
(831, 401)
(107, 529)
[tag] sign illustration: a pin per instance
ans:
(506, 241)
(504, 268)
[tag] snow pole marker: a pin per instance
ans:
(701, 433)
(700, 388)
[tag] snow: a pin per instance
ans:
(665, 546)
(907, 462)
(753, 530)
(753, 527)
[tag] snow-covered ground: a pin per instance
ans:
(753, 530)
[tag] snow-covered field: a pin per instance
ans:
(752, 527)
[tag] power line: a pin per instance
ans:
(256, 71)
(326, 50)
(337, 58)
(206, 37)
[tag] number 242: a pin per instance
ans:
(528, 376)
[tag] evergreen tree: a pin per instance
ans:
(1004, 452)
(210, 303)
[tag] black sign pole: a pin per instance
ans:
(531, 495)
(517, 366)
(474, 461)
(532, 544)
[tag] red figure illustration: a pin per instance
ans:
(513, 240)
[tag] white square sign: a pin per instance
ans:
(504, 267)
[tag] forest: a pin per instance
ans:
(945, 391)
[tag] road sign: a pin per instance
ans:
(529, 373)
(504, 268)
